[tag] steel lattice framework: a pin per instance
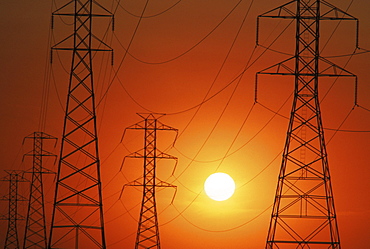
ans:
(148, 232)
(303, 214)
(35, 232)
(13, 177)
(77, 219)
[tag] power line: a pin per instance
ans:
(223, 230)
(329, 56)
(189, 49)
(222, 66)
(230, 82)
(214, 126)
(205, 100)
(246, 143)
(325, 128)
(364, 108)
(124, 56)
(148, 16)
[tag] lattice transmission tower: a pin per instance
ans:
(14, 177)
(303, 214)
(148, 233)
(77, 219)
(35, 231)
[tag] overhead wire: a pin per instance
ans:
(237, 77)
(233, 80)
(210, 97)
(336, 79)
(214, 127)
(221, 159)
(221, 67)
(219, 71)
(328, 56)
(189, 49)
(231, 96)
(181, 213)
(226, 155)
(351, 54)
(228, 229)
(54, 6)
(364, 108)
(56, 90)
(208, 137)
(325, 128)
(46, 81)
(244, 184)
(125, 54)
(336, 27)
(149, 16)
(340, 125)
(45, 92)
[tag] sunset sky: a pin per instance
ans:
(184, 60)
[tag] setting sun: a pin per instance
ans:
(219, 186)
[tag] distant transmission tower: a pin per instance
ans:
(148, 232)
(77, 219)
(13, 177)
(303, 214)
(35, 233)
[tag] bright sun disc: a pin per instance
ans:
(219, 186)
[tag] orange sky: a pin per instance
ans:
(253, 155)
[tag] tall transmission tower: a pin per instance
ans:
(13, 177)
(303, 214)
(35, 233)
(77, 219)
(148, 232)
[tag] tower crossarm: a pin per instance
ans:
(89, 9)
(309, 10)
(159, 155)
(287, 68)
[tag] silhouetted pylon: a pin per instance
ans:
(303, 214)
(35, 231)
(13, 177)
(148, 231)
(77, 219)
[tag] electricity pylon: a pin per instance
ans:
(35, 233)
(303, 214)
(13, 177)
(77, 219)
(148, 232)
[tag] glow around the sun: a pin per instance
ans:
(219, 186)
